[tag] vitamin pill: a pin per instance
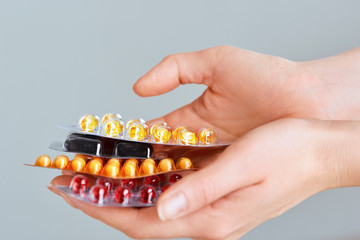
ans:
(138, 131)
(131, 121)
(110, 116)
(113, 128)
(79, 184)
(94, 166)
(155, 125)
(161, 134)
(77, 164)
(207, 136)
(174, 178)
(111, 170)
(108, 183)
(60, 162)
(130, 183)
(184, 163)
(43, 161)
(166, 165)
(130, 169)
(148, 194)
(89, 123)
(98, 194)
(176, 131)
(152, 181)
(147, 167)
(114, 160)
(122, 195)
(187, 137)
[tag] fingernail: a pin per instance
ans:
(172, 207)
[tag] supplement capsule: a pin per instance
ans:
(94, 166)
(113, 128)
(135, 120)
(89, 123)
(110, 116)
(130, 169)
(147, 167)
(114, 160)
(111, 170)
(138, 131)
(161, 134)
(207, 136)
(187, 137)
(166, 165)
(184, 163)
(155, 125)
(77, 164)
(43, 161)
(176, 130)
(60, 162)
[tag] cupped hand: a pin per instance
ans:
(261, 175)
(247, 89)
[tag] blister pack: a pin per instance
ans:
(142, 192)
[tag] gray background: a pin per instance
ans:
(60, 59)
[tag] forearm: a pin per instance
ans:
(340, 153)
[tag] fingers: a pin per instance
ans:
(184, 68)
(229, 172)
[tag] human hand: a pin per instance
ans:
(248, 89)
(262, 174)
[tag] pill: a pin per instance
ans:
(130, 169)
(79, 184)
(187, 137)
(113, 128)
(89, 123)
(147, 167)
(166, 165)
(176, 130)
(138, 131)
(106, 182)
(43, 161)
(60, 162)
(130, 183)
(184, 163)
(110, 116)
(207, 136)
(77, 164)
(152, 181)
(111, 170)
(94, 166)
(161, 134)
(174, 178)
(148, 194)
(98, 194)
(122, 195)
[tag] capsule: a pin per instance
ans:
(43, 161)
(166, 165)
(184, 163)
(176, 130)
(187, 137)
(135, 120)
(114, 160)
(207, 136)
(130, 169)
(161, 134)
(94, 166)
(89, 123)
(113, 128)
(111, 170)
(147, 167)
(77, 164)
(138, 131)
(60, 162)
(155, 125)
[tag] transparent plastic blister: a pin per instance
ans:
(115, 168)
(142, 192)
(111, 126)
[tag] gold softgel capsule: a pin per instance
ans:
(166, 165)
(89, 123)
(161, 134)
(113, 127)
(184, 163)
(187, 137)
(43, 161)
(207, 136)
(110, 116)
(147, 167)
(176, 131)
(138, 131)
(60, 162)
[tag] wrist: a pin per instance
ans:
(339, 149)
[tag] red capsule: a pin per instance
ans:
(106, 183)
(148, 194)
(152, 181)
(98, 193)
(130, 183)
(122, 195)
(79, 184)
(174, 178)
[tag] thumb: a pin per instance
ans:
(229, 172)
(182, 68)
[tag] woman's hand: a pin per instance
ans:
(248, 89)
(261, 175)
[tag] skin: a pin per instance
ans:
(275, 161)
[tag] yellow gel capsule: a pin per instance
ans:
(161, 134)
(114, 161)
(110, 116)
(94, 166)
(155, 125)
(176, 130)
(43, 161)
(130, 169)
(207, 136)
(131, 121)
(166, 165)
(111, 170)
(187, 137)
(138, 131)
(60, 162)
(77, 164)
(113, 128)
(83, 156)
(132, 160)
(89, 123)
(147, 167)
(184, 163)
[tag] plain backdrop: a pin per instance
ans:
(61, 59)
